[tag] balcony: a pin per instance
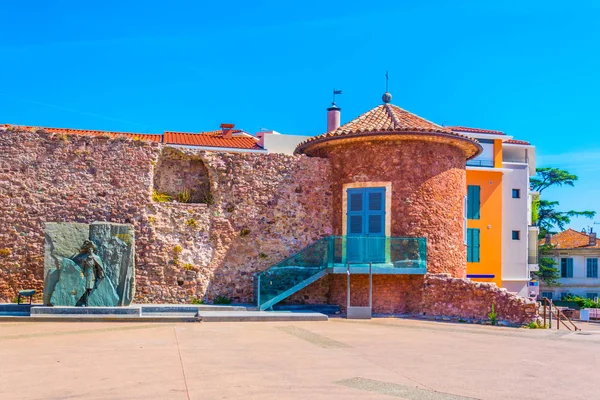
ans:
(515, 159)
(532, 256)
(480, 163)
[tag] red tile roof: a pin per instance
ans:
(571, 239)
(205, 139)
(512, 141)
(212, 139)
(474, 130)
(386, 118)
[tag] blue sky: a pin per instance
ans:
(530, 69)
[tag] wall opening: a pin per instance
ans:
(180, 178)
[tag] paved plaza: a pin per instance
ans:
(339, 359)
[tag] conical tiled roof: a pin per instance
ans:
(388, 119)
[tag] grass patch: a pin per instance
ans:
(160, 197)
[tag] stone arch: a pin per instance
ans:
(182, 178)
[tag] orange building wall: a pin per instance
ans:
(489, 224)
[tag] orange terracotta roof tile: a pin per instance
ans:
(240, 139)
(474, 130)
(385, 118)
(570, 239)
(212, 139)
(512, 141)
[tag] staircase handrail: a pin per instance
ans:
(304, 249)
(559, 315)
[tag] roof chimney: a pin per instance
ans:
(333, 117)
(593, 239)
(548, 239)
(227, 130)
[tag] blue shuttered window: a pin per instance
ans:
(473, 201)
(366, 212)
(473, 245)
(566, 267)
(592, 268)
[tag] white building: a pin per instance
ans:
(576, 255)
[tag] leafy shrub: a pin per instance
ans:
(581, 302)
(192, 223)
(535, 325)
(196, 300)
(220, 299)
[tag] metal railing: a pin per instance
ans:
(551, 311)
(480, 163)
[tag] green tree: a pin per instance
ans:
(545, 214)
(548, 273)
(547, 177)
(547, 217)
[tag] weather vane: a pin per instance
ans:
(334, 93)
(387, 78)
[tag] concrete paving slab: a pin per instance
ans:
(339, 359)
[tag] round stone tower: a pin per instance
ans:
(420, 168)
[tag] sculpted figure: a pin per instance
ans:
(91, 265)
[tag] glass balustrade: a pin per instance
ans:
(332, 254)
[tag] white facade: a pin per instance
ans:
(275, 142)
(579, 284)
(519, 241)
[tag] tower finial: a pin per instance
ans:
(387, 96)
(334, 93)
(387, 78)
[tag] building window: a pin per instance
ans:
(547, 295)
(516, 193)
(472, 245)
(591, 296)
(566, 267)
(592, 268)
(473, 201)
(516, 235)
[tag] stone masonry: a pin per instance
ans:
(261, 209)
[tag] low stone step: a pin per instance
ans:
(260, 316)
(186, 308)
(43, 311)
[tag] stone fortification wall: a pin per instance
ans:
(433, 295)
(259, 209)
